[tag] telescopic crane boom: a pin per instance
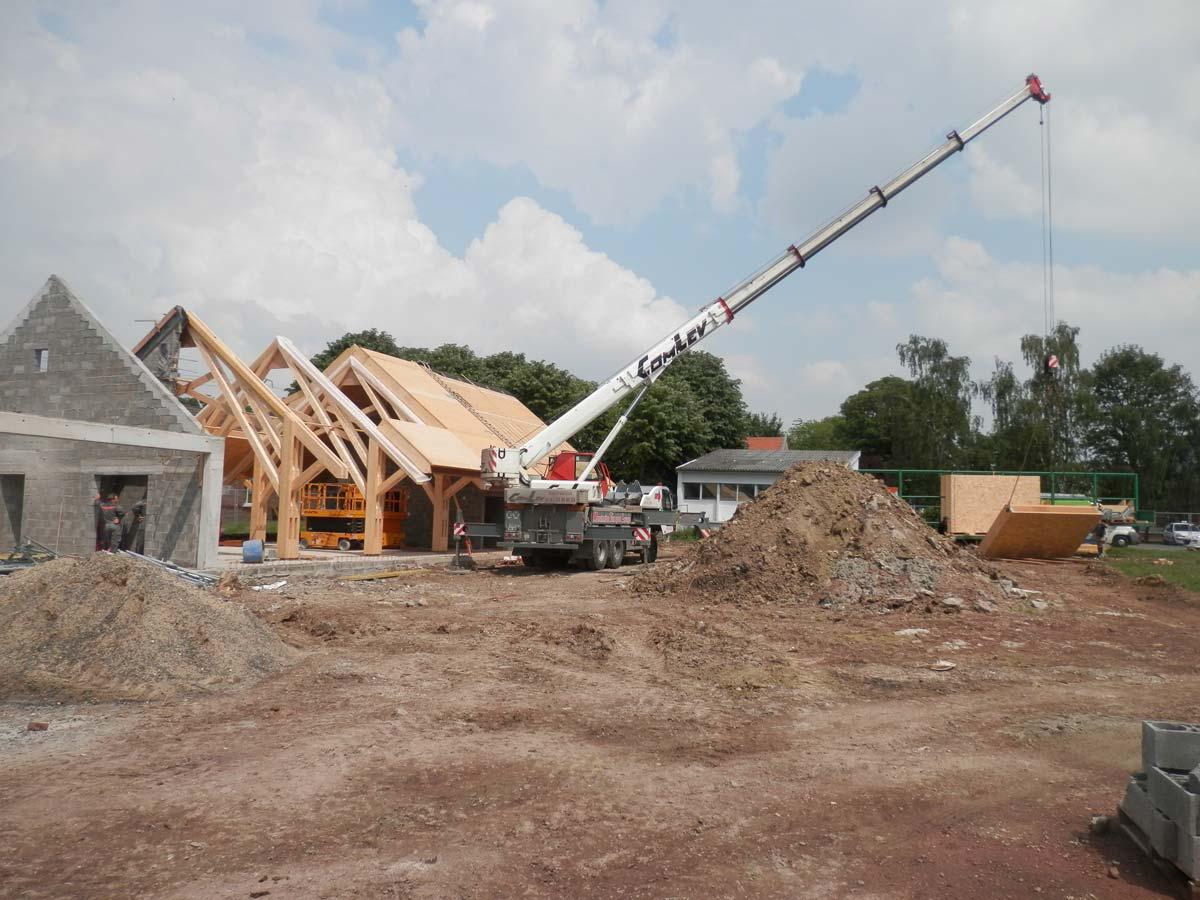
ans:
(513, 463)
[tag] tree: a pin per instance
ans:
(941, 390)
(371, 339)
(1144, 416)
(763, 425)
(879, 421)
(819, 434)
(718, 393)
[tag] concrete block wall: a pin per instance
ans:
(418, 527)
(90, 377)
(1163, 803)
(60, 487)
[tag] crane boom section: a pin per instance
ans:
(647, 367)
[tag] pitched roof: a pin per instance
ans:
(91, 377)
(457, 420)
(770, 442)
(765, 460)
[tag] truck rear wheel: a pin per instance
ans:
(343, 544)
(597, 555)
(616, 554)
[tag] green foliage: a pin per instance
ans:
(694, 407)
(819, 434)
(763, 425)
(371, 339)
(1137, 562)
(942, 390)
(1143, 415)
(880, 420)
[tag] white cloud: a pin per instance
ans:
(983, 306)
(1125, 130)
(584, 95)
(268, 200)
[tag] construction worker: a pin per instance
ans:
(134, 536)
(112, 535)
(108, 510)
(1098, 533)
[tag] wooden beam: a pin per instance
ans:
(460, 484)
(242, 372)
(260, 452)
(373, 496)
(392, 480)
(440, 537)
(287, 539)
(355, 474)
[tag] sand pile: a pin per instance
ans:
(829, 536)
(113, 628)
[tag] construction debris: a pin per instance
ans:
(202, 579)
(25, 554)
(829, 536)
(114, 627)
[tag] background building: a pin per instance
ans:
(717, 482)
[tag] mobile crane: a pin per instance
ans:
(570, 516)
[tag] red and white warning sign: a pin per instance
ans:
(641, 534)
(460, 529)
(1051, 361)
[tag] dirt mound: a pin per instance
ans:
(113, 628)
(827, 535)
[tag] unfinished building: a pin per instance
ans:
(81, 417)
(401, 441)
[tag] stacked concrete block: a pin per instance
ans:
(1164, 801)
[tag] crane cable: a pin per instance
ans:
(1048, 313)
(1047, 197)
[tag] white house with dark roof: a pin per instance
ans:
(714, 484)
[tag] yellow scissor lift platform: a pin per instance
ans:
(334, 516)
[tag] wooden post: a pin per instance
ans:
(287, 541)
(373, 514)
(260, 502)
(441, 513)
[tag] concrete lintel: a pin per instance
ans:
(100, 433)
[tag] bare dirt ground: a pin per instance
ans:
(513, 734)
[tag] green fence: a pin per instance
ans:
(922, 488)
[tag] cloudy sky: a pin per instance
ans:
(571, 178)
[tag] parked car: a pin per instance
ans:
(1121, 535)
(1185, 533)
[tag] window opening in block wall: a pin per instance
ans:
(121, 512)
(41, 360)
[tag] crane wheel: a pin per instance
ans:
(651, 552)
(343, 544)
(597, 556)
(616, 554)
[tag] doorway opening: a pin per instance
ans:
(12, 505)
(121, 512)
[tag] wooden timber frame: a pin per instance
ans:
(318, 429)
(293, 440)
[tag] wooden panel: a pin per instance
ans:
(1038, 532)
(970, 503)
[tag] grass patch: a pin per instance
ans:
(1138, 561)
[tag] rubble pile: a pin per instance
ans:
(829, 536)
(115, 628)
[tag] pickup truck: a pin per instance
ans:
(1185, 533)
